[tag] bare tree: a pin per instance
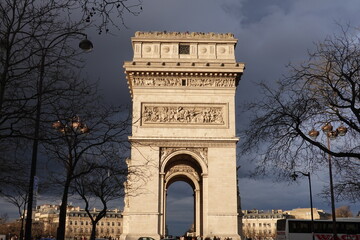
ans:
(106, 14)
(36, 43)
(325, 88)
(86, 134)
(103, 185)
(15, 192)
(37, 40)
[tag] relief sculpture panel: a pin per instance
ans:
(182, 169)
(184, 114)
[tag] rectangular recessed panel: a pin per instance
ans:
(184, 114)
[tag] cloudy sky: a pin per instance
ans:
(270, 33)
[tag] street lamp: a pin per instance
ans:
(73, 125)
(84, 45)
(330, 135)
(294, 176)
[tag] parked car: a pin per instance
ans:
(145, 238)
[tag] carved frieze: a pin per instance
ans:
(172, 81)
(184, 114)
(201, 152)
(182, 169)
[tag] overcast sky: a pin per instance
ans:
(270, 33)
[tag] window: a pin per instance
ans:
(299, 227)
(184, 49)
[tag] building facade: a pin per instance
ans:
(305, 213)
(78, 223)
(183, 89)
(261, 224)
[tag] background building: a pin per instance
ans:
(47, 215)
(78, 223)
(261, 224)
(305, 213)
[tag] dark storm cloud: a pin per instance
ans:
(249, 11)
(271, 34)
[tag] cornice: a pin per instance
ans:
(184, 35)
(184, 66)
(181, 74)
(183, 142)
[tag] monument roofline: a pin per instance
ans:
(184, 46)
(183, 36)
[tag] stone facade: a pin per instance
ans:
(183, 92)
(78, 224)
(305, 213)
(260, 224)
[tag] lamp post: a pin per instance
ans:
(85, 45)
(70, 129)
(294, 176)
(330, 134)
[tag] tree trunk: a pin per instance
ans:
(62, 215)
(93, 231)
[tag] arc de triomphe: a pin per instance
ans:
(183, 91)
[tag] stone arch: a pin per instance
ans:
(201, 160)
(187, 166)
(185, 177)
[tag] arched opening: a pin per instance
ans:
(180, 208)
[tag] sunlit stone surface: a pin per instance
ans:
(183, 90)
